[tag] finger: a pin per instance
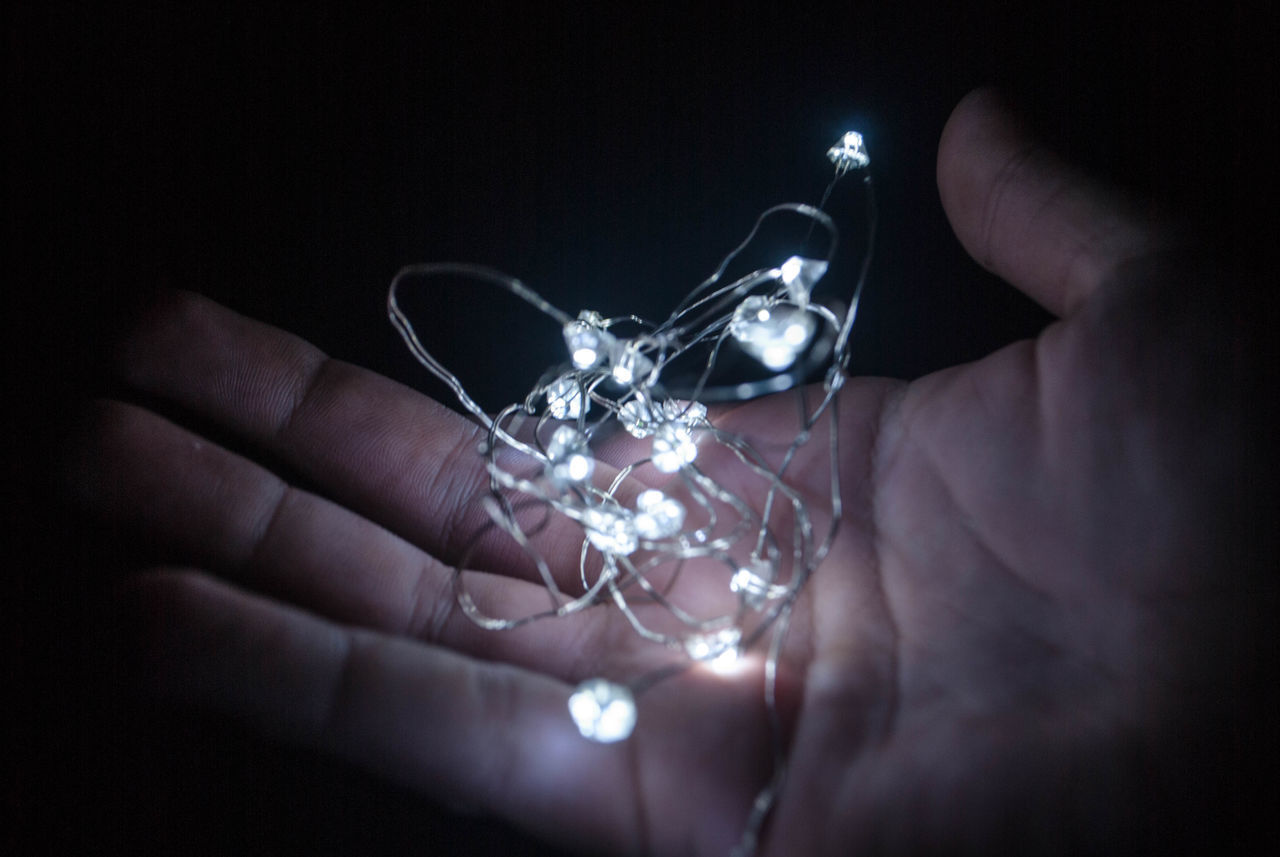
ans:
(1026, 215)
(490, 736)
(373, 445)
(198, 502)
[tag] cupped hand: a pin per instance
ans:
(1020, 638)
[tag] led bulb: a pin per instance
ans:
(635, 418)
(603, 711)
(569, 456)
(588, 345)
(631, 365)
(657, 515)
(773, 333)
(849, 153)
(673, 447)
(611, 531)
(565, 400)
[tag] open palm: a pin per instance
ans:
(1030, 582)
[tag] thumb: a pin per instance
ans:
(1026, 215)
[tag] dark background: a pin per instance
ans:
(288, 161)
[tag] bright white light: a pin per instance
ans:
(746, 580)
(630, 364)
(791, 269)
(778, 357)
(588, 345)
(849, 153)
(725, 661)
(564, 399)
(580, 467)
(752, 582)
(603, 711)
(570, 456)
(658, 516)
(673, 447)
(795, 335)
(611, 531)
(714, 645)
(773, 333)
(565, 441)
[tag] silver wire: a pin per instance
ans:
(722, 533)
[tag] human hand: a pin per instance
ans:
(1028, 605)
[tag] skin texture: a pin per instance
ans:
(1038, 629)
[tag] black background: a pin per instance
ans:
(287, 161)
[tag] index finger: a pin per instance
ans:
(375, 446)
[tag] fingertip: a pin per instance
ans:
(973, 112)
(981, 120)
(1026, 215)
(979, 139)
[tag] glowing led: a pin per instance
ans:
(795, 335)
(570, 457)
(724, 662)
(611, 531)
(774, 334)
(580, 467)
(657, 515)
(778, 357)
(565, 400)
(790, 270)
(714, 645)
(603, 711)
(849, 153)
(589, 346)
(673, 447)
(631, 364)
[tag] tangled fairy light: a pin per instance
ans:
(619, 442)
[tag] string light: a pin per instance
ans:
(849, 153)
(631, 554)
